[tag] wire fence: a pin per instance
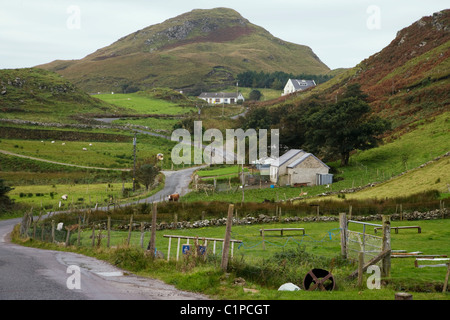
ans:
(109, 233)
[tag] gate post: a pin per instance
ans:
(343, 227)
(386, 263)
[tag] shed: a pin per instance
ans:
(299, 167)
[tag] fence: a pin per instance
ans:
(366, 246)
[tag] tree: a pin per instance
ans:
(255, 95)
(344, 127)
(146, 174)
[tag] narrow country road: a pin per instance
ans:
(34, 274)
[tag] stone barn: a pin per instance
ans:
(297, 167)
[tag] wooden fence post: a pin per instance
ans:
(93, 235)
(108, 240)
(226, 243)
(386, 263)
(79, 231)
(129, 230)
(53, 231)
(142, 234)
(152, 245)
(444, 290)
(343, 227)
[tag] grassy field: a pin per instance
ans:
(142, 103)
(79, 195)
(267, 265)
(114, 155)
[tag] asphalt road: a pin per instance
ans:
(34, 274)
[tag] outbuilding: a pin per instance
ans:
(297, 167)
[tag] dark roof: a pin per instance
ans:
(303, 84)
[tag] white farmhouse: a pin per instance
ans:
(297, 167)
(222, 97)
(294, 85)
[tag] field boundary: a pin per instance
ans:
(59, 163)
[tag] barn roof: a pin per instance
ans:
(303, 158)
(286, 157)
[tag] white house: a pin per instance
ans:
(222, 97)
(299, 167)
(294, 85)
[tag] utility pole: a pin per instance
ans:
(134, 162)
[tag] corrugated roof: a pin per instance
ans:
(286, 157)
(303, 158)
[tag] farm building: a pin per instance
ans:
(222, 97)
(263, 165)
(297, 167)
(294, 85)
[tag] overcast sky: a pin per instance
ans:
(341, 32)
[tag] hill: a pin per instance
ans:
(408, 80)
(37, 95)
(197, 50)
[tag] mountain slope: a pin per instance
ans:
(196, 50)
(409, 79)
(38, 95)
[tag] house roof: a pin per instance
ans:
(265, 161)
(302, 84)
(303, 158)
(286, 157)
(228, 95)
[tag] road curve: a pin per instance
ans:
(35, 274)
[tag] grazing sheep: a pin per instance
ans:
(65, 197)
(84, 149)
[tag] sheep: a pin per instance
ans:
(60, 226)
(65, 197)
(84, 149)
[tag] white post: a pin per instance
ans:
(168, 250)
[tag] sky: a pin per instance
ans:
(342, 33)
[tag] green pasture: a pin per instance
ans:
(223, 171)
(152, 124)
(79, 195)
(111, 155)
(144, 104)
(265, 265)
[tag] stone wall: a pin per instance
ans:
(261, 219)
